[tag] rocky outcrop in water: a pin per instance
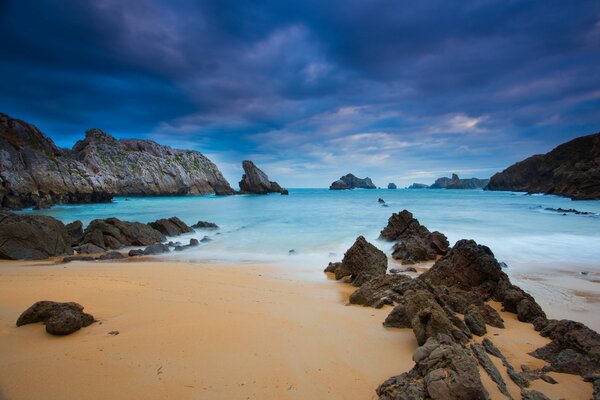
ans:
(59, 318)
(418, 186)
(571, 169)
(34, 172)
(392, 185)
(415, 242)
(171, 226)
(352, 182)
(255, 181)
(456, 183)
(31, 237)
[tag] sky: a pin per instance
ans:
(400, 91)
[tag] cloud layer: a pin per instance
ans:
(310, 90)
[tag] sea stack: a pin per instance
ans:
(350, 181)
(255, 181)
(392, 185)
(456, 183)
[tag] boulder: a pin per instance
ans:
(350, 181)
(362, 262)
(157, 248)
(75, 231)
(255, 181)
(415, 242)
(205, 225)
(60, 318)
(89, 248)
(32, 237)
(171, 226)
(443, 370)
(113, 233)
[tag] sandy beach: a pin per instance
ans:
(212, 331)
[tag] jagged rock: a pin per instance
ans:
(171, 226)
(361, 262)
(456, 183)
(32, 237)
(255, 181)
(415, 242)
(75, 231)
(569, 211)
(475, 321)
(193, 243)
(381, 201)
(392, 185)
(89, 248)
(35, 172)
(574, 349)
(205, 225)
(517, 378)
(383, 290)
(157, 248)
(571, 170)
(60, 318)
(490, 368)
(418, 186)
(350, 181)
(443, 370)
(533, 395)
(113, 233)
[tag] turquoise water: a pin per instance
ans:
(320, 224)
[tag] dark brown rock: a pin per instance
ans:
(362, 262)
(571, 169)
(31, 237)
(255, 181)
(157, 248)
(475, 321)
(89, 248)
(75, 231)
(205, 225)
(382, 290)
(489, 367)
(171, 226)
(113, 233)
(60, 318)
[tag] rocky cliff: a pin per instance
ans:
(571, 169)
(255, 181)
(352, 182)
(456, 183)
(34, 172)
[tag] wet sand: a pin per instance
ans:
(213, 331)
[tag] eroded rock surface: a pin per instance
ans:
(171, 226)
(60, 318)
(362, 262)
(255, 181)
(112, 233)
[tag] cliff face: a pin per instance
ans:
(350, 181)
(571, 169)
(456, 183)
(255, 181)
(35, 172)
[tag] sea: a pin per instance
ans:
(553, 255)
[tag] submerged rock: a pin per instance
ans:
(350, 181)
(60, 318)
(32, 237)
(415, 242)
(255, 181)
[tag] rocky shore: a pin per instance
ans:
(449, 309)
(34, 172)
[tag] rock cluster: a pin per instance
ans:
(350, 181)
(462, 282)
(255, 181)
(112, 233)
(171, 226)
(34, 172)
(571, 169)
(59, 318)
(414, 241)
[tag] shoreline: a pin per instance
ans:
(202, 330)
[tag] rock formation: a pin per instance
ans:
(30, 237)
(456, 183)
(571, 169)
(352, 182)
(34, 172)
(60, 318)
(418, 186)
(171, 226)
(112, 233)
(415, 242)
(392, 185)
(361, 262)
(255, 181)
(205, 225)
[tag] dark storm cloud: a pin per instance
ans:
(400, 89)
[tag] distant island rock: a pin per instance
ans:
(571, 169)
(34, 172)
(456, 183)
(352, 182)
(418, 186)
(392, 185)
(255, 181)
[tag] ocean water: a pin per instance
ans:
(545, 251)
